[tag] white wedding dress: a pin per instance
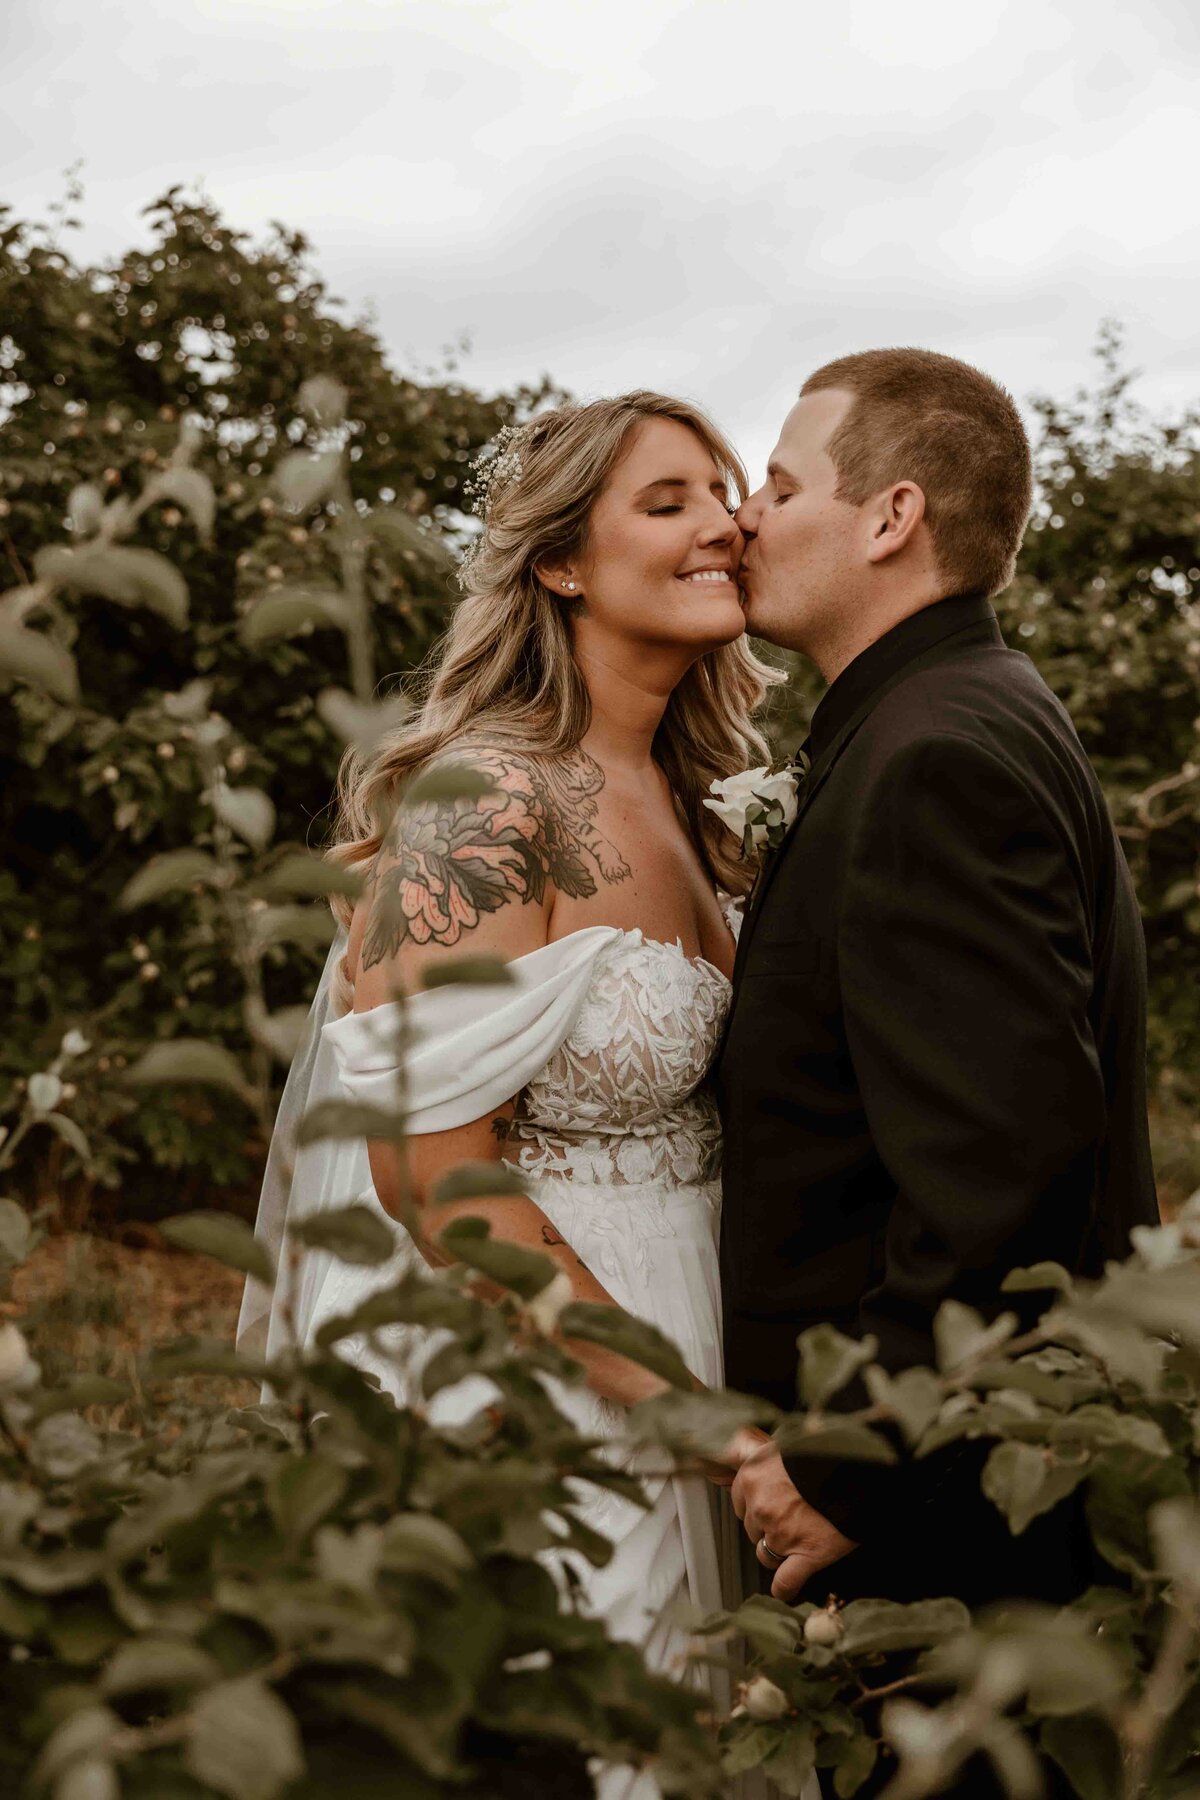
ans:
(604, 1036)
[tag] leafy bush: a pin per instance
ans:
(321, 1595)
(1103, 1392)
(1107, 603)
(101, 365)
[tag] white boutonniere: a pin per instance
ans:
(758, 805)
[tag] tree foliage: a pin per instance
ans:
(101, 365)
(1107, 603)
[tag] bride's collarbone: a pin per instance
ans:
(698, 929)
(662, 892)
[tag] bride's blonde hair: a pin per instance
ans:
(505, 672)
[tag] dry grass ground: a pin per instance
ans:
(94, 1305)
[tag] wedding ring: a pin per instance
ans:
(764, 1549)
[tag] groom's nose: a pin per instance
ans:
(748, 513)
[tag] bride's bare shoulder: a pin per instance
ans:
(482, 840)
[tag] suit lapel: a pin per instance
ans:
(818, 775)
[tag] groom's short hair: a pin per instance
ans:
(923, 417)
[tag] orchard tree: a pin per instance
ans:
(1107, 603)
(100, 366)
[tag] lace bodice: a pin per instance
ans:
(619, 1103)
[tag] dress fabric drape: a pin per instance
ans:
(604, 1038)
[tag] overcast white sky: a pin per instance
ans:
(706, 196)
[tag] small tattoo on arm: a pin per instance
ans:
(551, 1236)
(500, 1128)
(445, 863)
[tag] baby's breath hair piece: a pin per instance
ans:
(497, 466)
(495, 471)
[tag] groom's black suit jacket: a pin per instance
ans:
(933, 1069)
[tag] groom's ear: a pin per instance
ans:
(895, 517)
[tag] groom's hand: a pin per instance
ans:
(765, 1499)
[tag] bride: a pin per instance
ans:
(597, 671)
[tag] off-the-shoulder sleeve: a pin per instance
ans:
(471, 1046)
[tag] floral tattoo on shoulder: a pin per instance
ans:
(445, 863)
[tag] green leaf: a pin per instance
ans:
(1163, 1301)
(476, 1181)
(66, 1128)
(1039, 1275)
(913, 1397)
(158, 1664)
(282, 1032)
(790, 1764)
(828, 1360)
(856, 1758)
(304, 1491)
(524, 1272)
(448, 781)
(611, 1328)
(16, 1232)
(132, 577)
(247, 811)
(244, 1741)
(1180, 893)
(167, 874)
(92, 1778)
(413, 1300)
(1175, 1534)
(63, 1446)
(323, 399)
(1069, 1672)
(882, 1625)
(350, 1119)
(191, 489)
(396, 530)
(962, 1335)
(20, 1617)
(190, 1059)
(309, 925)
(696, 1424)
(300, 876)
(301, 479)
(768, 1625)
(1024, 1481)
(83, 1628)
(189, 704)
(83, 1735)
(749, 1749)
(284, 611)
(844, 1438)
(357, 723)
(1100, 1427)
(203, 1356)
(482, 971)
(78, 1392)
(1122, 1494)
(354, 1234)
(1118, 1345)
(1088, 1754)
(419, 1544)
(349, 1559)
(39, 662)
(85, 508)
(226, 1239)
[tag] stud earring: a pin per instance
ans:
(570, 586)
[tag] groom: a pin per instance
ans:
(934, 1066)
